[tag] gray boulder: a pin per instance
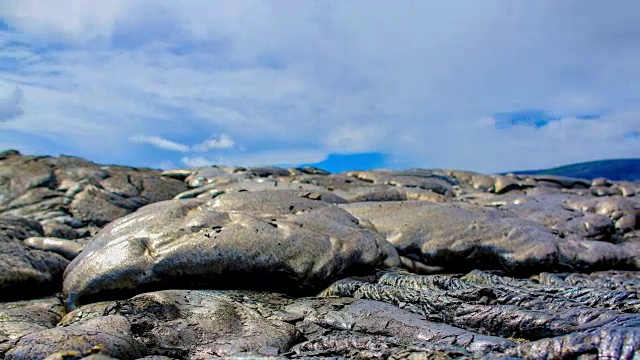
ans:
(558, 213)
(463, 237)
(261, 240)
(25, 272)
(67, 248)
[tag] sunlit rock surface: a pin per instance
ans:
(107, 262)
(259, 240)
(463, 236)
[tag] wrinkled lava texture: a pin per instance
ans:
(110, 262)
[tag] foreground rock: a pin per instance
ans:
(21, 318)
(176, 323)
(372, 329)
(188, 324)
(395, 315)
(263, 240)
(551, 322)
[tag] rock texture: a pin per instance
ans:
(107, 262)
(25, 317)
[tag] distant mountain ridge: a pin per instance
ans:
(614, 169)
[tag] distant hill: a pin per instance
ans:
(617, 169)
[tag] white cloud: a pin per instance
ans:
(224, 142)
(289, 157)
(11, 98)
(73, 20)
(487, 122)
(358, 138)
(165, 165)
(570, 140)
(196, 161)
(159, 142)
(418, 81)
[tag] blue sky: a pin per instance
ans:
(489, 86)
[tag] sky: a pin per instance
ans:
(487, 86)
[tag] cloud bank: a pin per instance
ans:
(488, 86)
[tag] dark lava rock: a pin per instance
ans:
(267, 171)
(26, 272)
(493, 266)
(191, 324)
(313, 192)
(616, 343)
(545, 322)
(337, 182)
(425, 180)
(602, 293)
(347, 326)
(184, 324)
(312, 170)
(72, 196)
(109, 334)
(627, 281)
(561, 181)
(463, 237)
(557, 212)
(262, 240)
(21, 318)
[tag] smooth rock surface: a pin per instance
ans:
(461, 237)
(558, 213)
(67, 248)
(261, 240)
